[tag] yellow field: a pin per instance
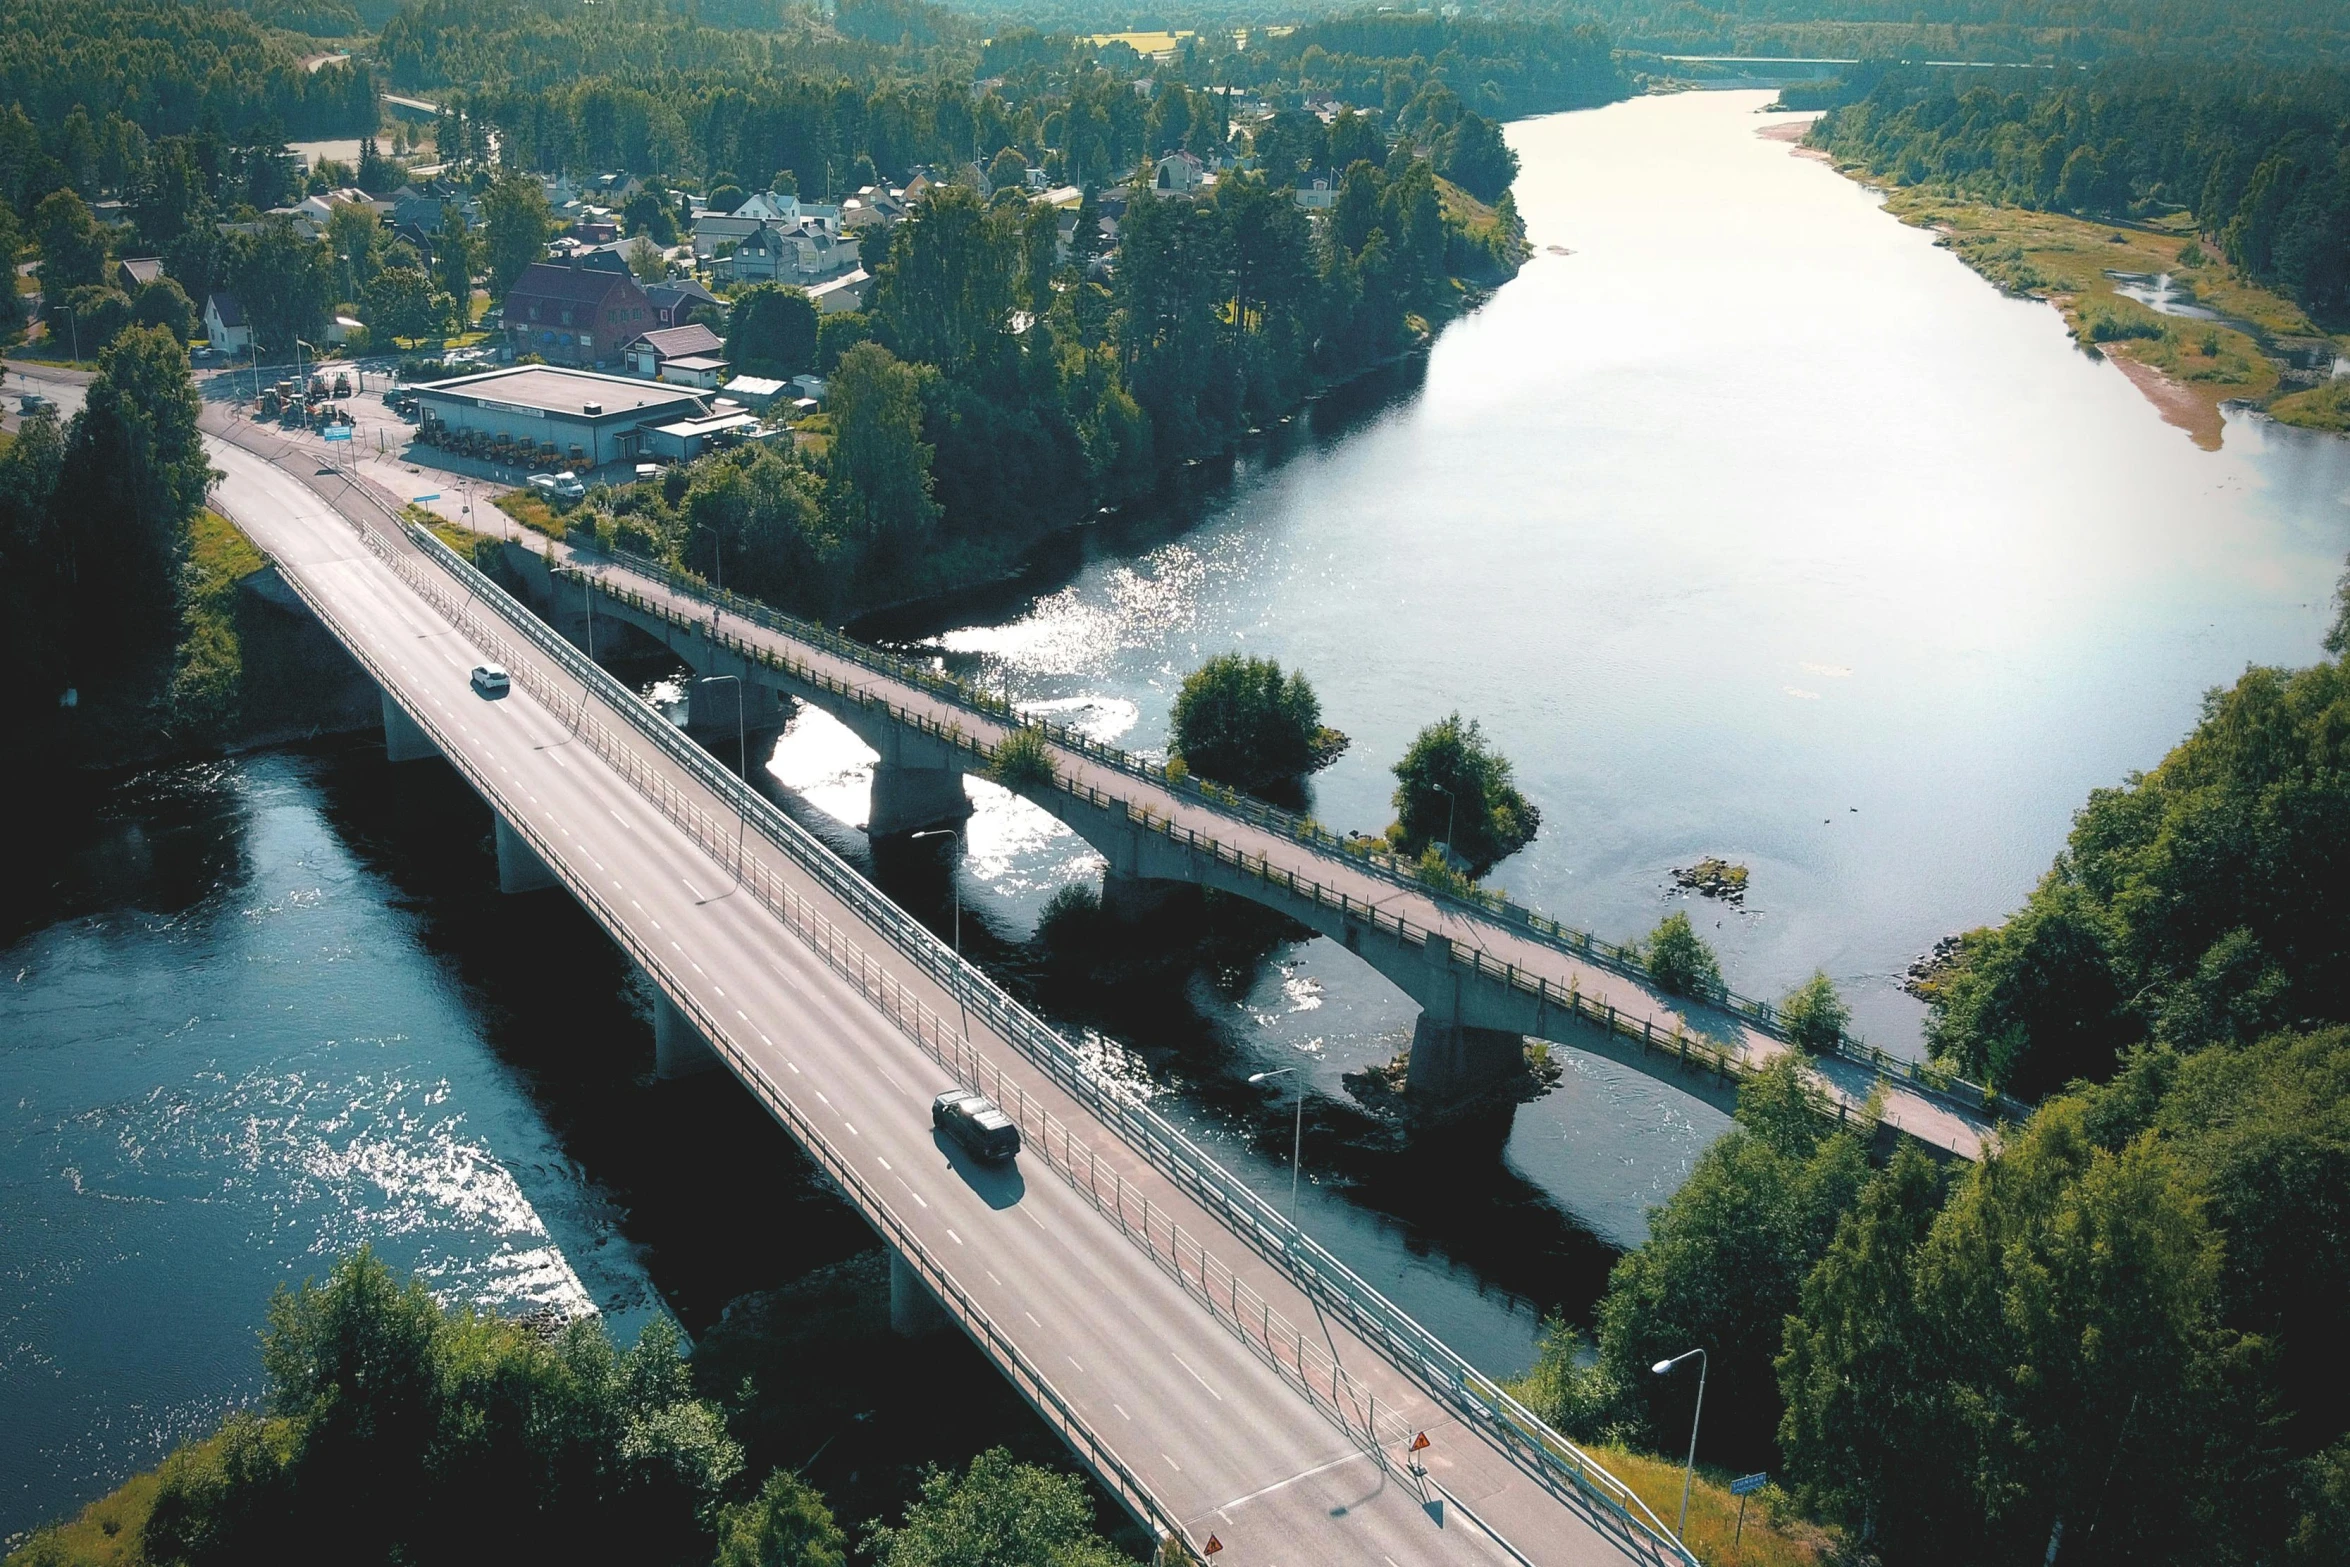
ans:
(1144, 43)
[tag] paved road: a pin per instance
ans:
(1213, 1429)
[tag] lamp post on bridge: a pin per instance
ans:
(1297, 1135)
(954, 887)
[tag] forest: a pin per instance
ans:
(2259, 156)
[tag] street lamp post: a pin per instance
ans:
(1297, 1134)
(955, 887)
(1689, 1471)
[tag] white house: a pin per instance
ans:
(1180, 172)
(1317, 192)
(225, 327)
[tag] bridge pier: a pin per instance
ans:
(1451, 1064)
(1129, 900)
(710, 710)
(519, 867)
(910, 799)
(913, 1311)
(404, 739)
(679, 1050)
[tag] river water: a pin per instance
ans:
(1754, 526)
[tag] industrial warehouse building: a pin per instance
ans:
(588, 419)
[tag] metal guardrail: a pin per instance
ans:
(1131, 1489)
(1551, 1458)
(1760, 1015)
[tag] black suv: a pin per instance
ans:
(973, 1120)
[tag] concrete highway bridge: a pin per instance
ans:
(1486, 974)
(1224, 1377)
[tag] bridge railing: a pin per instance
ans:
(1419, 1354)
(940, 685)
(1694, 1048)
(1131, 1489)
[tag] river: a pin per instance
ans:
(1755, 525)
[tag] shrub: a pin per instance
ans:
(1451, 782)
(1242, 722)
(1680, 961)
(1814, 1015)
(1023, 761)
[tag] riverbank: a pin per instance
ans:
(251, 669)
(2222, 340)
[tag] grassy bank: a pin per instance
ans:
(2186, 367)
(530, 508)
(1714, 1532)
(208, 670)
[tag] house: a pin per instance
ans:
(679, 298)
(762, 255)
(846, 292)
(871, 205)
(770, 207)
(322, 206)
(339, 329)
(647, 352)
(134, 273)
(225, 327)
(1317, 192)
(712, 229)
(809, 386)
(774, 252)
(569, 313)
(1180, 173)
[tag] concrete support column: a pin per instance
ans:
(913, 1311)
(404, 739)
(710, 715)
(519, 867)
(1450, 1064)
(679, 1050)
(909, 799)
(1128, 900)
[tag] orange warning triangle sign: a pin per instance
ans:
(1419, 1441)
(1214, 1545)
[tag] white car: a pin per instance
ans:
(568, 487)
(491, 680)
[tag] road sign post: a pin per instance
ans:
(1742, 1488)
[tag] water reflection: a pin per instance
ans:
(1750, 524)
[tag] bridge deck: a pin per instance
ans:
(1940, 1121)
(1103, 1322)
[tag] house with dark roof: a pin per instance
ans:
(648, 352)
(679, 298)
(135, 272)
(225, 327)
(569, 314)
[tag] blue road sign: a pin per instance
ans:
(421, 499)
(1746, 1485)
(338, 432)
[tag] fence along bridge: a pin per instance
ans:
(1217, 1369)
(1486, 974)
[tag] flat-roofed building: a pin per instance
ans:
(604, 416)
